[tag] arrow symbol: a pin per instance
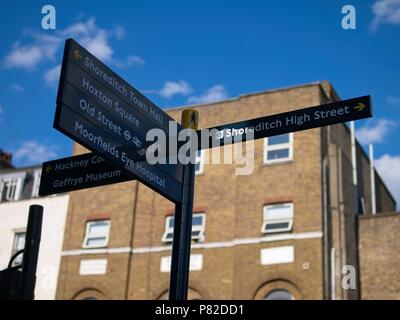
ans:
(49, 168)
(360, 106)
(77, 54)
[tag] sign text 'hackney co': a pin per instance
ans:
(79, 172)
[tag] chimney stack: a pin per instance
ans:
(5, 160)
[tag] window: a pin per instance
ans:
(198, 226)
(169, 230)
(278, 148)
(279, 294)
(278, 218)
(199, 165)
(36, 183)
(11, 186)
(97, 233)
(19, 244)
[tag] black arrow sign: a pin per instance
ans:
(101, 111)
(302, 119)
(79, 172)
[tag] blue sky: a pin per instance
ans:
(179, 52)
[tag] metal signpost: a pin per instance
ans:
(101, 111)
(179, 278)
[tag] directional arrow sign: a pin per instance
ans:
(101, 111)
(79, 172)
(302, 119)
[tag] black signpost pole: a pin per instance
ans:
(180, 261)
(31, 252)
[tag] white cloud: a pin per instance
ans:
(25, 57)
(215, 93)
(98, 45)
(32, 152)
(389, 168)
(385, 11)
(119, 32)
(52, 75)
(135, 61)
(17, 87)
(395, 101)
(39, 47)
(129, 61)
(172, 88)
(375, 131)
(94, 39)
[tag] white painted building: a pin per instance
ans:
(18, 190)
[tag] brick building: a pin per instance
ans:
(284, 231)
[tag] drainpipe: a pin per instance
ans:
(372, 176)
(357, 210)
(354, 161)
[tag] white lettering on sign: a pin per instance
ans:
(110, 103)
(97, 93)
(277, 255)
(136, 167)
(67, 182)
(105, 77)
(89, 177)
(109, 124)
(96, 159)
(93, 267)
(71, 165)
(121, 88)
(96, 139)
(196, 263)
(294, 120)
(331, 113)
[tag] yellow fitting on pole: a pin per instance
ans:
(190, 119)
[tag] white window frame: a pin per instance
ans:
(14, 250)
(280, 146)
(88, 236)
(168, 230)
(200, 160)
(267, 221)
(15, 179)
(36, 183)
(200, 228)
